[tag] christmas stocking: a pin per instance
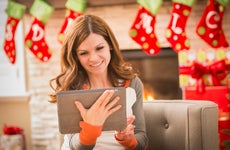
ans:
(175, 32)
(142, 30)
(74, 9)
(35, 39)
(209, 27)
(15, 12)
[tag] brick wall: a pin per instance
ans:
(44, 119)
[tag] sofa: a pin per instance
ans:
(181, 124)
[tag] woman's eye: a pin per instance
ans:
(83, 53)
(99, 48)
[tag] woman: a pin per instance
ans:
(91, 59)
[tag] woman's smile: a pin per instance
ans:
(96, 64)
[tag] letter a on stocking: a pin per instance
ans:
(35, 39)
(142, 30)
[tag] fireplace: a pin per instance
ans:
(159, 73)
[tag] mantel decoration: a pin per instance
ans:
(74, 9)
(175, 32)
(35, 38)
(142, 29)
(209, 27)
(15, 12)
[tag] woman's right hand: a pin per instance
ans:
(100, 110)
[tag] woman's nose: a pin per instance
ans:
(93, 56)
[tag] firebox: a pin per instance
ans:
(159, 73)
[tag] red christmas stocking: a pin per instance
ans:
(74, 9)
(210, 26)
(175, 32)
(35, 39)
(15, 12)
(142, 30)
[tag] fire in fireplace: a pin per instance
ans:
(159, 73)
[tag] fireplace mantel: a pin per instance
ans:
(140, 54)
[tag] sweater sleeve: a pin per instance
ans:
(75, 144)
(140, 129)
(71, 142)
(87, 137)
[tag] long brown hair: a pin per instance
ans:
(73, 76)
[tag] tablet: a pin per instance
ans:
(69, 116)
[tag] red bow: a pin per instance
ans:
(11, 130)
(197, 72)
(217, 71)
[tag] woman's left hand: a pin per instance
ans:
(128, 133)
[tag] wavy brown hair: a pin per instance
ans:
(73, 76)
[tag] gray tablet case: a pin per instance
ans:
(69, 116)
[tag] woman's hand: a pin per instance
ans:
(128, 133)
(100, 110)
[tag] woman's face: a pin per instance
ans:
(94, 54)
